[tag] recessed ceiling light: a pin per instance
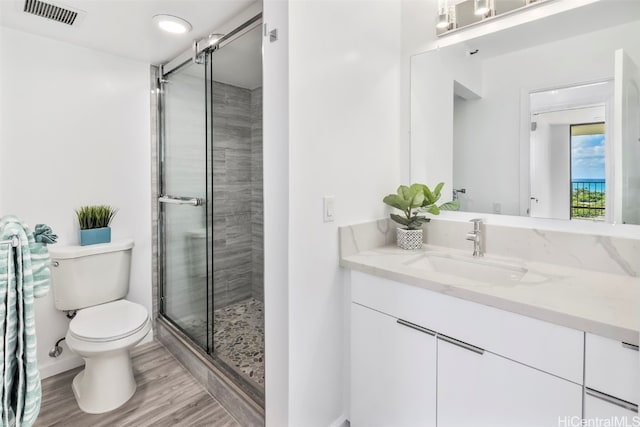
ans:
(172, 24)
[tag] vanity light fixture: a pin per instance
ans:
(482, 7)
(172, 24)
(443, 14)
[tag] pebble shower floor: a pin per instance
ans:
(238, 337)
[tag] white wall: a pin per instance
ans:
(626, 131)
(275, 155)
(435, 77)
(418, 33)
(344, 95)
(75, 130)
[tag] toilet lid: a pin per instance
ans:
(108, 322)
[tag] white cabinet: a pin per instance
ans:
(601, 407)
(612, 379)
(393, 372)
(612, 367)
(477, 388)
(542, 345)
(484, 366)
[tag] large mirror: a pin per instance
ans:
(548, 129)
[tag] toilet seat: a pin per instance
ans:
(103, 335)
(109, 322)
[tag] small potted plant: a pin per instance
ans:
(94, 224)
(413, 201)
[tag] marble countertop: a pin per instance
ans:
(605, 304)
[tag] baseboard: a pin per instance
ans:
(341, 421)
(59, 366)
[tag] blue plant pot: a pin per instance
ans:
(93, 236)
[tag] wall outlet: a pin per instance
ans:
(497, 207)
(327, 208)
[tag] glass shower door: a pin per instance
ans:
(183, 201)
(211, 245)
(235, 100)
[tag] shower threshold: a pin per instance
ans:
(226, 384)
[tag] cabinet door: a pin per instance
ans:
(477, 388)
(611, 367)
(393, 372)
(598, 406)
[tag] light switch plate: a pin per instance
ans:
(327, 208)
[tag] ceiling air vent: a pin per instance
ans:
(46, 10)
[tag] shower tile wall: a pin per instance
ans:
(184, 170)
(237, 200)
(257, 238)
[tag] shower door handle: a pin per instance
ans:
(193, 201)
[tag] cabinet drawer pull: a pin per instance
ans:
(416, 327)
(613, 400)
(630, 346)
(461, 344)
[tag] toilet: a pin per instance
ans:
(93, 281)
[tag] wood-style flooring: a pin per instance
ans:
(167, 395)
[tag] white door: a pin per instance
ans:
(550, 165)
(540, 195)
(481, 389)
(393, 372)
(626, 191)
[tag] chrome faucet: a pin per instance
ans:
(457, 191)
(476, 237)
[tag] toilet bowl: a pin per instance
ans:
(93, 281)
(102, 335)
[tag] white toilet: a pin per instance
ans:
(94, 280)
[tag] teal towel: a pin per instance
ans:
(44, 234)
(24, 275)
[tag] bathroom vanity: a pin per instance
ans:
(440, 338)
(542, 330)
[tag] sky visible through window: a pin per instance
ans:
(587, 157)
(588, 184)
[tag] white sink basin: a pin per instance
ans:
(479, 269)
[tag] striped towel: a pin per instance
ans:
(24, 275)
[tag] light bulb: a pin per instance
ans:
(172, 24)
(481, 7)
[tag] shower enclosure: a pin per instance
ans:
(210, 240)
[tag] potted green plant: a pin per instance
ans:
(94, 224)
(413, 201)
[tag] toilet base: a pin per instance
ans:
(106, 383)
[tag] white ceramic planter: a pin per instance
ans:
(409, 239)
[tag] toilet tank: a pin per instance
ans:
(83, 276)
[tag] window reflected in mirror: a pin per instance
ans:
(568, 156)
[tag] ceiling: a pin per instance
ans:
(571, 97)
(124, 27)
